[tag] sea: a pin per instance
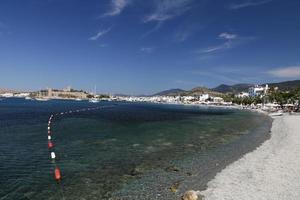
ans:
(120, 151)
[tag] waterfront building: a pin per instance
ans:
(218, 99)
(258, 91)
(67, 93)
(7, 95)
(204, 97)
(22, 94)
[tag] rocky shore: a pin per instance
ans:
(269, 172)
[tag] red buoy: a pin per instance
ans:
(50, 144)
(57, 174)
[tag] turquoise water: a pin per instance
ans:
(105, 151)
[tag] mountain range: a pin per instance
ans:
(171, 92)
(237, 88)
(223, 89)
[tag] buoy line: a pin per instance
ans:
(51, 146)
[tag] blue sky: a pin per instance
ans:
(142, 47)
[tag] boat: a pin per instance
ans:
(78, 99)
(275, 114)
(41, 99)
(28, 98)
(94, 100)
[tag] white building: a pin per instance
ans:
(242, 94)
(188, 98)
(22, 94)
(7, 95)
(203, 97)
(258, 91)
(218, 100)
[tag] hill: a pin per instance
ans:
(202, 90)
(171, 92)
(243, 87)
(195, 91)
(221, 89)
(237, 88)
(286, 85)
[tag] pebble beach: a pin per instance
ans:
(269, 172)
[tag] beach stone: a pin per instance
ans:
(190, 145)
(136, 145)
(189, 174)
(136, 171)
(191, 195)
(172, 168)
(174, 187)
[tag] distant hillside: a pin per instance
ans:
(202, 90)
(232, 88)
(286, 85)
(195, 91)
(171, 92)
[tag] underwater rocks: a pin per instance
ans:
(174, 187)
(172, 168)
(136, 171)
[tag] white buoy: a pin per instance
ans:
(48, 127)
(53, 155)
(49, 137)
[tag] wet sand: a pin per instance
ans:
(269, 172)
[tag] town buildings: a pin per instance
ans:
(258, 91)
(66, 93)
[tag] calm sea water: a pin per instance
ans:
(105, 151)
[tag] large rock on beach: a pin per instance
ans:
(191, 195)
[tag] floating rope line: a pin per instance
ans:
(57, 172)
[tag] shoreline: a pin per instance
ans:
(271, 171)
(196, 170)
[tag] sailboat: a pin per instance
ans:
(94, 100)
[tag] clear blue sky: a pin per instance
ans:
(144, 46)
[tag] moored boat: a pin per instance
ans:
(94, 100)
(274, 114)
(41, 99)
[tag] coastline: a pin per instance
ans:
(197, 170)
(269, 172)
